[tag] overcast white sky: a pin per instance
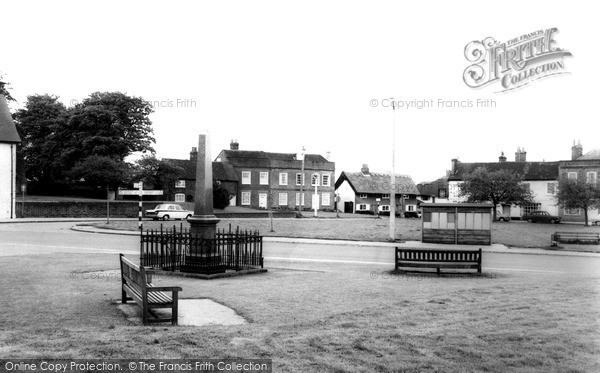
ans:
(279, 75)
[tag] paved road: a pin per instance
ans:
(44, 238)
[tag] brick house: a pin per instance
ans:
(367, 192)
(584, 168)
(185, 187)
(542, 178)
(9, 139)
(273, 180)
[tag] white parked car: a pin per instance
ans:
(168, 211)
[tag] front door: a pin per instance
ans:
(262, 200)
(349, 207)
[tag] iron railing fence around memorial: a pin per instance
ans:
(180, 250)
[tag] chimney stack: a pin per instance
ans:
(328, 156)
(194, 154)
(576, 150)
(454, 169)
(502, 158)
(234, 145)
(365, 169)
(521, 155)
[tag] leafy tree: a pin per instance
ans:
(220, 196)
(167, 174)
(502, 186)
(573, 194)
(106, 124)
(38, 124)
(103, 172)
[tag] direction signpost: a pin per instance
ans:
(140, 192)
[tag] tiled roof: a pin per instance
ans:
(222, 171)
(260, 159)
(593, 154)
(8, 131)
(377, 183)
(529, 170)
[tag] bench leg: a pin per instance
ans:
(123, 296)
(175, 309)
(438, 271)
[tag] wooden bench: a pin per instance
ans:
(136, 284)
(415, 260)
(592, 238)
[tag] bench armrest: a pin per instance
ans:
(164, 288)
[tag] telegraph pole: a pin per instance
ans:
(393, 177)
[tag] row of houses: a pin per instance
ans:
(541, 177)
(267, 180)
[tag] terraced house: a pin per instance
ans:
(542, 178)
(274, 180)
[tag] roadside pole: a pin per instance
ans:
(107, 206)
(140, 188)
(393, 177)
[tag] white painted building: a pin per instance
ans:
(9, 138)
(542, 178)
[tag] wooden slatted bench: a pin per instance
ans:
(592, 238)
(414, 260)
(136, 284)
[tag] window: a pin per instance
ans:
(246, 177)
(298, 198)
(283, 199)
(572, 175)
(314, 180)
(245, 198)
(299, 179)
(326, 180)
(410, 207)
(179, 197)
(264, 178)
(385, 208)
(325, 199)
(283, 177)
(591, 177)
(406, 196)
(385, 196)
(362, 195)
(527, 209)
(180, 184)
(363, 207)
(551, 188)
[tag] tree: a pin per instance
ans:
(38, 124)
(578, 195)
(107, 124)
(220, 196)
(502, 186)
(103, 172)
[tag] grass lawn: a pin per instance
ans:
(322, 318)
(513, 234)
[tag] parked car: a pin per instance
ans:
(168, 211)
(596, 222)
(412, 214)
(502, 217)
(541, 216)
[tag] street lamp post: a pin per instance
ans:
(393, 177)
